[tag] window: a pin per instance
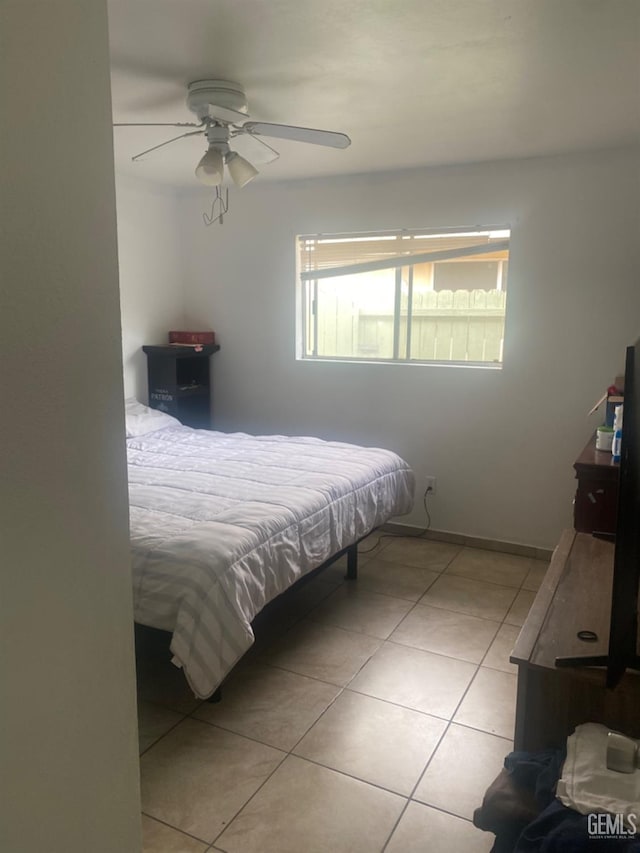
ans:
(404, 296)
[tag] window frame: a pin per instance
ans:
(307, 291)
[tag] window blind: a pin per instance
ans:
(331, 256)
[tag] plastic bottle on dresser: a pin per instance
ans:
(617, 434)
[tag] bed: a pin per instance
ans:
(223, 523)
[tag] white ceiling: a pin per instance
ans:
(412, 82)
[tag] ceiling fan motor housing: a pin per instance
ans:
(204, 94)
(218, 136)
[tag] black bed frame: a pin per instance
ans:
(352, 561)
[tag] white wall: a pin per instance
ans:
(69, 739)
(151, 274)
(501, 443)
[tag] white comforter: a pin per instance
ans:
(222, 523)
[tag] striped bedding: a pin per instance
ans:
(223, 523)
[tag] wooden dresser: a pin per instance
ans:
(596, 501)
(575, 596)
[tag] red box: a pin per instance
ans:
(192, 337)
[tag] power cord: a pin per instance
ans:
(419, 535)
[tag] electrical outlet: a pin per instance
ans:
(430, 485)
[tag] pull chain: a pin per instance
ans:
(223, 205)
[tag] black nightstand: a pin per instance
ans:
(180, 382)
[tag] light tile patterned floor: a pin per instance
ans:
(368, 716)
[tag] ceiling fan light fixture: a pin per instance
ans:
(241, 170)
(210, 169)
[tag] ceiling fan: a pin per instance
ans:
(221, 109)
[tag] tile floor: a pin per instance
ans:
(368, 716)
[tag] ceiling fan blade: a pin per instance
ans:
(157, 124)
(225, 114)
(253, 148)
(168, 142)
(298, 134)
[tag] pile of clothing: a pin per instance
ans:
(563, 801)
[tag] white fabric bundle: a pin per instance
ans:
(587, 785)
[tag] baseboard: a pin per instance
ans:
(472, 541)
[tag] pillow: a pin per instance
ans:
(141, 419)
